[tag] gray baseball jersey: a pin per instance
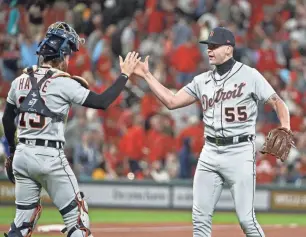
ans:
(230, 105)
(58, 94)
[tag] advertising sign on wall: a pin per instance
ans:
(127, 195)
(182, 198)
(288, 200)
(152, 195)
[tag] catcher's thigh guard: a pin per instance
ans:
(76, 217)
(25, 220)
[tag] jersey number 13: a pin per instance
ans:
(38, 122)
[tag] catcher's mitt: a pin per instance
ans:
(9, 168)
(278, 143)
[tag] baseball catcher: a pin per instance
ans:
(41, 98)
(278, 143)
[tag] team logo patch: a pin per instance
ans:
(211, 34)
(32, 102)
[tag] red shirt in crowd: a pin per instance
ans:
(155, 21)
(186, 58)
(264, 172)
(267, 60)
(132, 143)
(113, 159)
(79, 62)
(104, 66)
(149, 105)
(195, 133)
(159, 144)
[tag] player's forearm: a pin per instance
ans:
(9, 126)
(163, 94)
(283, 113)
(281, 110)
(102, 101)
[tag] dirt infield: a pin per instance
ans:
(178, 230)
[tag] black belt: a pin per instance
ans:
(41, 142)
(224, 141)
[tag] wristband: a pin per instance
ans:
(123, 74)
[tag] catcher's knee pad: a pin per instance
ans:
(76, 217)
(25, 221)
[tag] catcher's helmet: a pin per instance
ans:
(60, 40)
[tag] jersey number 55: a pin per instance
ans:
(233, 114)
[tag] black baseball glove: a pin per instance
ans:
(9, 168)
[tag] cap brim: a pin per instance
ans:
(212, 42)
(208, 42)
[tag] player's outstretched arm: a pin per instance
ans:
(9, 126)
(102, 101)
(281, 110)
(167, 97)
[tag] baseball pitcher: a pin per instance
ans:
(229, 95)
(40, 100)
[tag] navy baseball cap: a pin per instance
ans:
(220, 36)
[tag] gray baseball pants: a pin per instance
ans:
(231, 164)
(36, 167)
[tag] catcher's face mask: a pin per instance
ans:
(61, 39)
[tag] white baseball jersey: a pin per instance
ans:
(230, 101)
(58, 94)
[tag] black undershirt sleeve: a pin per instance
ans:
(102, 101)
(9, 125)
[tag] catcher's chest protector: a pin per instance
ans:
(33, 103)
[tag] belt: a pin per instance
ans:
(41, 142)
(224, 141)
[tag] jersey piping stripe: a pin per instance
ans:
(254, 98)
(192, 92)
(222, 129)
(228, 73)
(67, 174)
(213, 114)
(254, 172)
(224, 78)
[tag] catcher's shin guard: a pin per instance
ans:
(25, 221)
(76, 217)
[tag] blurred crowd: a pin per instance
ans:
(137, 137)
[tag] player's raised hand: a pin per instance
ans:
(128, 65)
(142, 68)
